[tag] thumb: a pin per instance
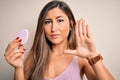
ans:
(68, 51)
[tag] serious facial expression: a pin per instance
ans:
(56, 26)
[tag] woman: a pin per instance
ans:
(63, 49)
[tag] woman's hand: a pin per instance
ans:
(14, 53)
(85, 44)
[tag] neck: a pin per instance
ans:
(57, 49)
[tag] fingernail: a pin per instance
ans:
(24, 49)
(22, 52)
(17, 38)
(20, 40)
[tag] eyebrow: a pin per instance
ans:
(56, 18)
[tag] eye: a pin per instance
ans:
(47, 22)
(60, 20)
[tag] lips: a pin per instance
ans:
(54, 35)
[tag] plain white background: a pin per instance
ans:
(103, 16)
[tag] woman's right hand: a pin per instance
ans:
(14, 53)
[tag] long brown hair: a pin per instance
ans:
(38, 59)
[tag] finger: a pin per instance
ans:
(19, 51)
(80, 30)
(83, 27)
(13, 58)
(88, 33)
(77, 32)
(21, 47)
(16, 56)
(72, 52)
(12, 45)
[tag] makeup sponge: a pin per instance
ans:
(23, 34)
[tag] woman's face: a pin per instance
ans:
(56, 26)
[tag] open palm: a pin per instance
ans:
(84, 41)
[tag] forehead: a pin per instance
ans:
(55, 12)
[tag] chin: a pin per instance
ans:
(55, 42)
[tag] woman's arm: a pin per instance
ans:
(14, 55)
(87, 50)
(101, 71)
(97, 71)
(19, 74)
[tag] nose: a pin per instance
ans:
(54, 27)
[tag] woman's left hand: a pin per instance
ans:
(85, 44)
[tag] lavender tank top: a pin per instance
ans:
(71, 73)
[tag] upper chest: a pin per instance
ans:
(58, 65)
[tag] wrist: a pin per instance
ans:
(93, 59)
(18, 68)
(91, 55)
(19, 74)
